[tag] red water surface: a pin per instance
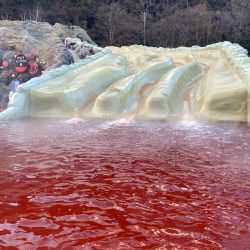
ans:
(124, 185)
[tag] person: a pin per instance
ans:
(13, 85)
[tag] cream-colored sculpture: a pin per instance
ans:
(210, 82)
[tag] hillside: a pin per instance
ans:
(163, 23)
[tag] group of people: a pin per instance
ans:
(15, 69)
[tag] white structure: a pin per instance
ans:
(143, 83)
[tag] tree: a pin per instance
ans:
(143, 10)
(148, 22)
(240, 10)
(108, 17)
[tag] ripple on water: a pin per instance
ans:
(124, 185)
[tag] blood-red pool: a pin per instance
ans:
(124, 185)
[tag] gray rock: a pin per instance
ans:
(4, 95)
(28, 36)
(81, 49)
(73, 31)
(45, 40)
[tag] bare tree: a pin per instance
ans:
(6, 15)
(109, 17)
(32, 13)
(37, 11)
(149, 22)
(23, 16)
(144, 13)
(240, 16)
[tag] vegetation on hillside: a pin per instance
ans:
(167, 23)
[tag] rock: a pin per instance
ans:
(64, 31)
(1, 56)
(23, 77)
(45, 40)
(81, 49)
(68, 57)
(4, 95)
(28, 36)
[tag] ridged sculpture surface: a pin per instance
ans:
(139, 82)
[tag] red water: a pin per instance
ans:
(124, 185)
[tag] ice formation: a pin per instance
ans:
(211, 82)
